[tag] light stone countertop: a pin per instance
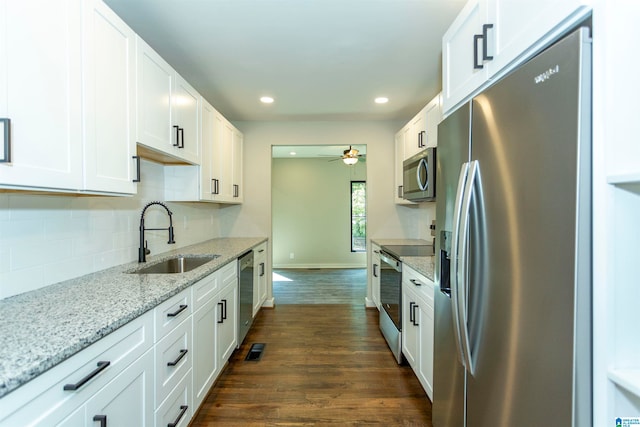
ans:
(42, 328)
(422, 264)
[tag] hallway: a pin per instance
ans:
(322, 365)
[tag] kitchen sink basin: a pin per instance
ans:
(179, 264)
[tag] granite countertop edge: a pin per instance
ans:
(76, 313)
(422, 264)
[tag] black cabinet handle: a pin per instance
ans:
(183, 352)
(181, 140)
(476, 66)
(415, 282)
(485, 47)
(180, 309)
(411, 304)
(375, 268)
(221, 308)
(102, 419)
(224, 310)
(183, 409)
(236, 190)
(177, 128)
(137, 159)
(415, 319)
(261, 269)
(400, 191)
(6, 135)
(101, 367)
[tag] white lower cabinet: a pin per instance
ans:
(177, 409)
(417, 326)
(127, 400)
(155, 370)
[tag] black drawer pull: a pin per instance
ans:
(102, 419)
(101, 367)
(183, 409)
(415, 282)
(180, 309)
(183, 352)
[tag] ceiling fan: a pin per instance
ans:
(350, 156)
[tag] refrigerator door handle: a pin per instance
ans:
(455, 259)
(462, 288)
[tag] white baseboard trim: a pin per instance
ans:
(321, 266)
(269, 303)
(368, 302)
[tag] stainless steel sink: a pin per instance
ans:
(179, 264)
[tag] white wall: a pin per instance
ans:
(311, 207)
(45, 239)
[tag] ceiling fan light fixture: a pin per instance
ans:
(350, 160)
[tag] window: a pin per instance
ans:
(358, 216)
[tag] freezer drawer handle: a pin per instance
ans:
(183, 353)
(183, 409)
(101, 367)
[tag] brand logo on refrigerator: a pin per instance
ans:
(543, 77)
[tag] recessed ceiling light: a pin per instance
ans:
(381, 100)
(266, 100)
(293, 153)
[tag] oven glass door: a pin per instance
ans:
(391, 287)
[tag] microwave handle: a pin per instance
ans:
(422, 183)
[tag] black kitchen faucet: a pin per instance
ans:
(143, 250)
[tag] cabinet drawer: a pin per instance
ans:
(173, 359)
(228, 273)
(171, 313)
(205, 290)
(422, 286)
(82, 372)
(177, 406)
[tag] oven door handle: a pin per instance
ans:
(397, 265)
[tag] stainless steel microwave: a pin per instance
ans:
(419, 176)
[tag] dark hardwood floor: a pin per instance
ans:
(323, 364)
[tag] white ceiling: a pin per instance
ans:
(319, 59)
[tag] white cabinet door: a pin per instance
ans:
(237, 147)
(462, 54)
(205, 362)
(227, 322)
(519, 25)
(209, 157)
(154, 87)
(433, 114)
(177, 409)
(410, 331)
(109, 101)
(259, 277)
(127, 400)
(42, 69)
(425, 370)
(375, 274)
(414, 136)
(185, 104)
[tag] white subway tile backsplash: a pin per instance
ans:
(48, 239)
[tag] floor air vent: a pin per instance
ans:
(255, 352)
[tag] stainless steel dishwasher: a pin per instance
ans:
(245, 295)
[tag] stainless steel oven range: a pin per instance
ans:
(391, 291)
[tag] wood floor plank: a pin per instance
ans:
(322, 365)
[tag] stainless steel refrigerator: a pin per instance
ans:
(513, 313)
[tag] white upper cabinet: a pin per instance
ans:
(109, 101)
(433, 115)
(488, 36)
(414, 134)
(237, 147)
(167, 109)
(41, 72)
(68, 90)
